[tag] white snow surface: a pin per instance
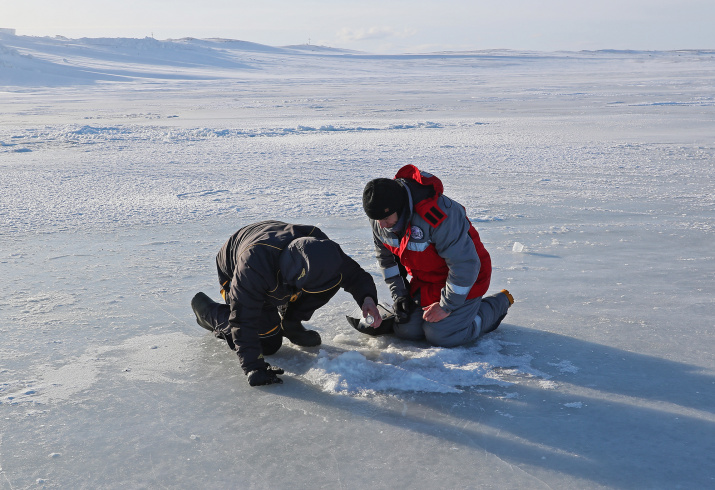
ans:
(126, 163)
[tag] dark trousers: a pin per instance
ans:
(269, 327)
(304, 306)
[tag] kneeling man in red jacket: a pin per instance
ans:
(420, 232)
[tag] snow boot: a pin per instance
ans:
(202, 305)
(509, 296)
(498, 322)
(299, 335)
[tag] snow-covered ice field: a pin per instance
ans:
(126, 163)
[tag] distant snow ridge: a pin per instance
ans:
(6, 56)
(135, 132)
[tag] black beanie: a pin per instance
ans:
(382, 197)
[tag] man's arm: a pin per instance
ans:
(388, 265)
(246, 299)
(453, 243)
(357, 281)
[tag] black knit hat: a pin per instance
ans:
(382, 197)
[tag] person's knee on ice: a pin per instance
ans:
(408, 319)
(271, 340)
(442, 338)
(409, 331)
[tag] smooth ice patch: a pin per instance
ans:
(57, 384)
(158, 358)
(147, 358)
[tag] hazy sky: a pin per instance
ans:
(382, 26)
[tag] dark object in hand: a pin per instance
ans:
(403, 308)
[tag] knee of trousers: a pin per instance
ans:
(409, 331)
(440, 336)
(271, 344)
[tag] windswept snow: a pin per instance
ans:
(126, 163)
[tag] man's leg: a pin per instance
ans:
(269, 329)
(460, 327)
(270, 334)
(474, 318)
(302, 310)
(214, 316)
(493, 310)
(208, 314)
(412, 328)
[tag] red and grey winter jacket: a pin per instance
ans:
(438, 246)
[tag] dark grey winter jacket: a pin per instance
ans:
(268, 264)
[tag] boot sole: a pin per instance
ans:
(195, 305)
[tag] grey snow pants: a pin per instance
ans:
(474, 318)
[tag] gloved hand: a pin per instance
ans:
(268, 376)
(403, 307)
(274, 369)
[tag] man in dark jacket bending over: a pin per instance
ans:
(273, 276)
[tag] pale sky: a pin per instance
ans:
(383, 26)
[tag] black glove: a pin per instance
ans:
(403, 307)
(274, 369)
(260, 377)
